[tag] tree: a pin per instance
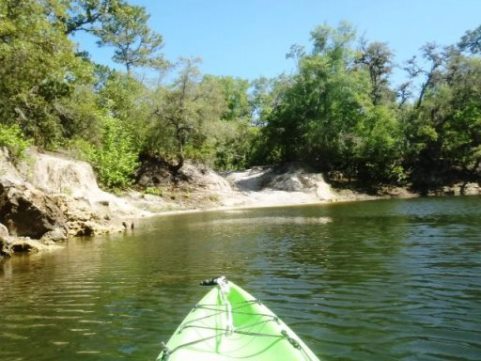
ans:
(115, 159)
(115, 23)
(311, 119)
(84, 15)
(333, 42)
(127, 99)
(378, 151)
(462, 128)
(434, 57)
(234, 91)
(184, 116)
(329, 114)
(471, 41)
(377, 58)
(136, 45)
(39, 70)
(266, 94)
(444, 127)
(235, 135)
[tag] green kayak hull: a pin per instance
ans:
(229, 324)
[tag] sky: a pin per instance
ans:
(250, 38)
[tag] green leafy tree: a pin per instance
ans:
(185, 116)
(378, 150)
(328, 115)
(115, 159)
(433, 57)
(233, 135)
(266, 94)
(128, 100)
(85, 15)
(237, 146)
(443, 130)
(311, 119)
(377, 58)
(236, 97)
(462, 127)
(12, 138)
(38, 68)
(471, 41)
(136, 45)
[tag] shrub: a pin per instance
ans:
(116, 159)
(12, 138)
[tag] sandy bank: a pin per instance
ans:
(48, 198)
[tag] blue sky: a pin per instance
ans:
(249, 38)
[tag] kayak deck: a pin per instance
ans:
(228, 324)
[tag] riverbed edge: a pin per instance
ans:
(125, 212)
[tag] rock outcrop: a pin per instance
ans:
(10, 244)
(28, 211)
(47, 198)
(202, 177)
(292, 179)
(156, 172)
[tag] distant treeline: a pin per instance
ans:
(338, 112)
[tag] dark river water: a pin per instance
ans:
(381, 280)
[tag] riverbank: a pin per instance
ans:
(47, 198)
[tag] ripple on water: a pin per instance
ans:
(385, 280)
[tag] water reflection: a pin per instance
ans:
(377, 280)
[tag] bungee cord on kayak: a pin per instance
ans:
(203, 329)
(224, 290)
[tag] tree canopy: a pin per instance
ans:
(337, 112)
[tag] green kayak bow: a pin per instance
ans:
(229, 324)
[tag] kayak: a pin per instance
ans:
(230, 324)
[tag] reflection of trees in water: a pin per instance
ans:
(360, 278)
(352, 248)
(332, 242)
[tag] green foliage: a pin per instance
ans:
(38, 69)
(444, 128)
(336, 112)
(471, 41)
(127, 99)
(378, 154)
(80, 115)
(79, 148)
(136, 45)
(85, 15)
(237, 147)
(235, 94)
(376, 58)
(185, 116)
(116, 159)
(154, 191)
(327, 116)
(12, 138)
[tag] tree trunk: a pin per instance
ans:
(174, 168)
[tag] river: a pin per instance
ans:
(377, 280)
